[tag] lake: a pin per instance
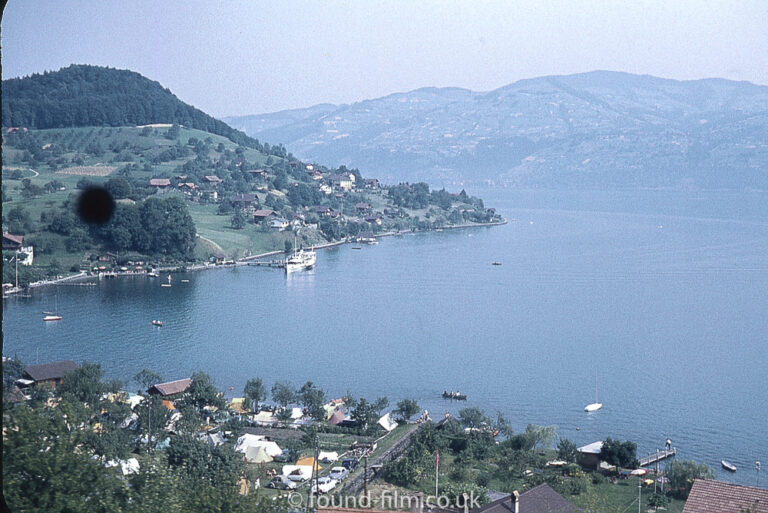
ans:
(658, 296)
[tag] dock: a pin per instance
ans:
(268, 263)
(658, 456)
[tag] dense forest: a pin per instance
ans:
(84, 95)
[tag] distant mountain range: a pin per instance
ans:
(598, 129)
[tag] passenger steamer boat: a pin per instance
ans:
(300, 260)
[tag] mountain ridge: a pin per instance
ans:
(601, 128)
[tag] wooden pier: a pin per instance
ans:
(658, 456)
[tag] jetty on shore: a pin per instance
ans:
(658, 456)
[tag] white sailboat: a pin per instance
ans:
(167, 284)
(596, 405)
(53, 316)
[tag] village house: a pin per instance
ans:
(708, 496)
(160, 184)
(49, 374)
(279, 224)
(362, 207)
(589, 455)
(260, 215)
(371, 183)
(212, 179)
(12, 242)
(108, 257)
(171, 389)
(259, 173)
(246, 201)
(325, 189)
(211, 195)
(25, 254)
(344, 181)
(323, 210)
(539, 499)
(373, 219)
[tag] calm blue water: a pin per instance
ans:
(660, 295)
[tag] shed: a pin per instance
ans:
(49, 373)
(171, 388)
(589, 455)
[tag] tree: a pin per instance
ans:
(472, 417)
(255, 390)
(312, 398)
(202, 393)
(238, 220)
(43, 470)
(218, 465)
(118, 187)
(283, 394)
(682, 473)
(145, 379)
(406, 409)
(83, 384)
(566, 450)
(622, 454)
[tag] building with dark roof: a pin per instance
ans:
(49, 373)
(539, 499)
(171, 388)
(709, 496)
(12, 241)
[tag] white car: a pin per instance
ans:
(338, 473)
(324, 484)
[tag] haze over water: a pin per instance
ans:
(661, 296)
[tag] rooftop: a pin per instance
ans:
(171, 387)
(716, 496)
(50, 370)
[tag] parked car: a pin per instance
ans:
(282, 483)
(286, 457)
(325, 484)
(338, 473)
(349, 464)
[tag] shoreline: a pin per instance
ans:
(85, 276)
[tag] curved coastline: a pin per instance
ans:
(85, 276)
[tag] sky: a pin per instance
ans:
(248, 57)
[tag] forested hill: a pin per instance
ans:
(84, 95)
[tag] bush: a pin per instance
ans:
(597, 478)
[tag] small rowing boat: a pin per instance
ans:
(730, 467)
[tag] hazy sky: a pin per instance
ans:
(248, 57)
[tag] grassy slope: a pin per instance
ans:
(209, 224)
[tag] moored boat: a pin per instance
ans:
(454, 395)
(300, 260)
(157, 323)
(728, 466)
(52, 318)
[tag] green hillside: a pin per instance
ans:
(82, 96)
(183, 195)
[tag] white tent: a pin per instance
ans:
(264, 418)
(296, 413)
(387, 423)
(328, 457)
(248, 440)
(257, 455)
